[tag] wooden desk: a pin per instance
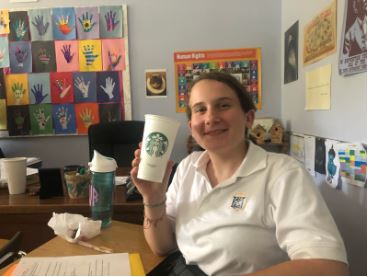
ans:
(121, 237)
(30, 215)
(3, 242)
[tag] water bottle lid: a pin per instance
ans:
(101, 163)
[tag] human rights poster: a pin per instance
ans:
(244, 64)
(63, 69)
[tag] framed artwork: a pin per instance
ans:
(63, 69)
(320, 35)
(291, 53)
(244, 64)
(156, 83)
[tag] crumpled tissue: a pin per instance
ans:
(74, 227)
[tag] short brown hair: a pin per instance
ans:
(245, 99)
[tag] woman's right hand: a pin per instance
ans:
(151, 192)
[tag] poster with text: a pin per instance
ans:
(244, 64)
(353, 53)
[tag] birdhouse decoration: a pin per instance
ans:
(277, 132)
(258, 132)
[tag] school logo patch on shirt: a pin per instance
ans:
(238, 202)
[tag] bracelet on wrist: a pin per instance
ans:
(155, 205)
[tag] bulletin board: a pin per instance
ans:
(244, 64)
(63, 69)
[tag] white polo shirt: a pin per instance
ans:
(268, 212)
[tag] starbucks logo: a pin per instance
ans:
(156, 144)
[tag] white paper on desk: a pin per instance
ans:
(93, 265)
(120, 180)
(31, 171)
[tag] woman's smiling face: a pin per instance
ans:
(218, 121)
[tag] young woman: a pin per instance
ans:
(235, 208)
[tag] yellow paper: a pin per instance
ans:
(90, 55)
(17, 89)
(318, 88)
(136, 266)
(4, 22)
(3, 125)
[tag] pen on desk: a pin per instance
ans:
(97, 248)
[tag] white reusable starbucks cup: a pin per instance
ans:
(157, 144)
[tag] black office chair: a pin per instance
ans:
(117, 140)
(11, 250)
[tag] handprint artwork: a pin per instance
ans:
(18, 92)
(111, 22)
(82, 86)
(20, 29)
(64, 23)
(43, 56)
(113, 54)
(87, 22)
(110, 112)
(40, 25)
(37, 91)
(109, 87)
(90, 55)
(86, 115)
(67, 53)
(4, 52)
(4, 22)
(41, 121)
(63, 118)
(62, 87)
(17, 89)
(65, 68)
(39, 84)
(41, 118)
(20, 57)
(18, 120)
(114, 59)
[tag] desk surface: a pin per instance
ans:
(3, 242)
(120, 236)
(30, 214)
